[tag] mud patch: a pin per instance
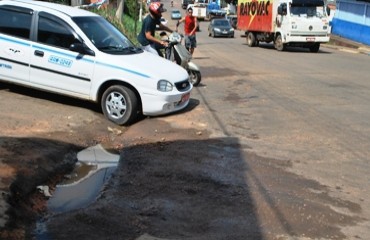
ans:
(206, 189)
(36, 161)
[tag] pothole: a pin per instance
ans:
(94, 167)
(80, 188)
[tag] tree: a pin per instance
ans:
(120, 9)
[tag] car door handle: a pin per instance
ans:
(39, 53)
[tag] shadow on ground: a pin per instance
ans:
(205, 189)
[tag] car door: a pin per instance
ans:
(54, 66)
(15, 44)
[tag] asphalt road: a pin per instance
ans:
(298, 122)
(311, 110)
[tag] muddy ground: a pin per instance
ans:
(176, 180)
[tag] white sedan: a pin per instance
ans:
(78, 53)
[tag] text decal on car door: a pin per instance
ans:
(3, 65)
(60, 61)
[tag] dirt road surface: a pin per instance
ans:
(193, 175)
(175, 180)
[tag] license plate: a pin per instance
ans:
(310, 39)
(185, 97)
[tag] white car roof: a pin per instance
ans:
(44, 6)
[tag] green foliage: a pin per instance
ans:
(129, 26)
(131, 8)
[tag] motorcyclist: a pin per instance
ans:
(146, 36)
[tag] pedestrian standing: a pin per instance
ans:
(190, 28)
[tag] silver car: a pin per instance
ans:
(175, 14)
(220, 27)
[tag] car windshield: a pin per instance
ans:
(223, 23)
(105, 36)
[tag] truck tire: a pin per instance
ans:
(279, 45)
(315, 48)
(251, 39)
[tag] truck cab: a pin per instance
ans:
(301, 23)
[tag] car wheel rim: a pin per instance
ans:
(116, 105)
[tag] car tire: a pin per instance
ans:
(120, 105)
(194, 77)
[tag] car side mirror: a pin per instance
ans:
(81, 48)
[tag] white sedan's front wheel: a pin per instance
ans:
(120, 104)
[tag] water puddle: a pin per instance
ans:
(80, 188)
(94, 167)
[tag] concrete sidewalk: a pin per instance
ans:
(348, 45)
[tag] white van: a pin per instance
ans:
(77, 53)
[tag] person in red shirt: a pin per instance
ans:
(190, 28)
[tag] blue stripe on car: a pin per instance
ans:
(15, 41)
(123, 69)
(73, 56)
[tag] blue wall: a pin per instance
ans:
(352, 21)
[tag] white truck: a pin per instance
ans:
(199, 10)
(301, 23)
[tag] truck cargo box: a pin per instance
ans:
(256, 15)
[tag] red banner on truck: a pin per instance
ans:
(254, 15)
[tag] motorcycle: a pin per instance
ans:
(177, 52)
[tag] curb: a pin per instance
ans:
(347, 45)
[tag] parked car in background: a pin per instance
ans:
(175, 14)
(214, 10)
(77, 53)
(233, 19)
(220, 27)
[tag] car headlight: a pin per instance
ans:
(231, 29)
(164, 86)
(217, 30)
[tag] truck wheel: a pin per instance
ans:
(251, 39)
(315, 48)
(279, 45)
(120, 105)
